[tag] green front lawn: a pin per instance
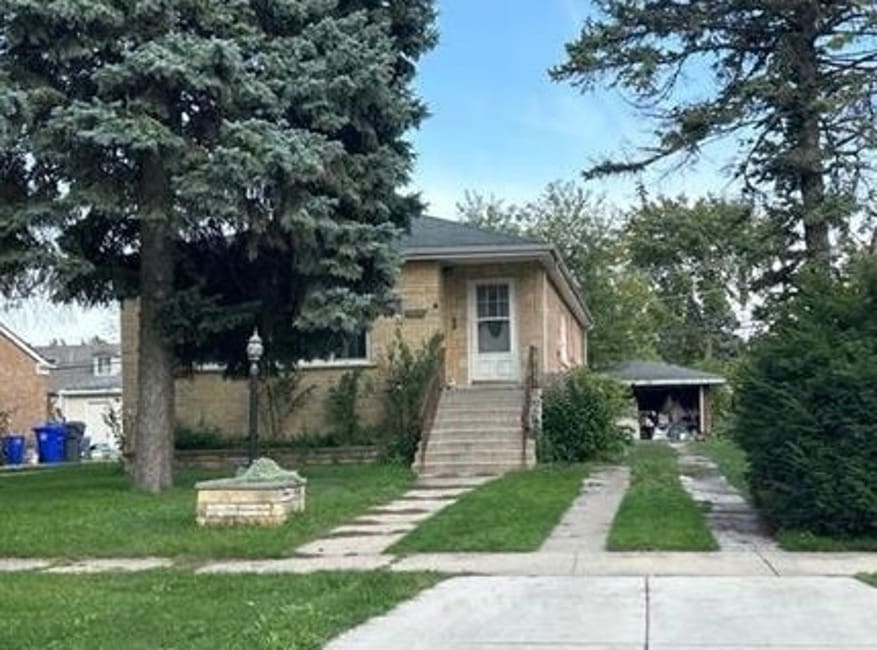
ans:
(92, 511)
(513, 513)
(869, 579)
(794, 540)
(178, 610)
(656, 513)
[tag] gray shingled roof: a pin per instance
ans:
(434, 233)
(74, 366)
(656, 373)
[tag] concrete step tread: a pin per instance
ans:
(457, 457)
(456, 417)
(476, 430)
(474, 444)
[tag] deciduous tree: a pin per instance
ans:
(587, 233)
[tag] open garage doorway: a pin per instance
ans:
(672, 402)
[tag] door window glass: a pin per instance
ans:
(494, 324)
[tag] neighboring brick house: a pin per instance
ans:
(24, 382)
(492, 296)
(86, 386)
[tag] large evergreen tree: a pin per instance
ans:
(162, 137)
(793, 80)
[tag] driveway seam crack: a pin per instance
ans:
(767, 562)
(648, 613)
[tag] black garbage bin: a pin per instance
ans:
(73, 441)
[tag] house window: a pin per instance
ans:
(564, 342)
(103, 366)
(351, 348)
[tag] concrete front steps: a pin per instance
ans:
(477, 432)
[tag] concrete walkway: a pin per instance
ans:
(383, 526)
(623, 613)
(742, 563)
(735, 524)
(586, 524)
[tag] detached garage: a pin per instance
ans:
(671, 400)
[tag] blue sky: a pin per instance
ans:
(499, 125)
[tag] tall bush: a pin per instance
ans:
(806, 410)
(580, 413)
(408, 372)
(283, 394)
(341, 403)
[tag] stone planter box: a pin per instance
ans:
(264, 495)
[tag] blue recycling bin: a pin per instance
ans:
(50, 442)
(13, 450)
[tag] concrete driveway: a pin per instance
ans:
(628, 613)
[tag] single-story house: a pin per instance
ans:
(85, 385)
(24, 381)
(492, 296)
(668, 394)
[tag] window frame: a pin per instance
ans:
(338, 362)
(98, 372)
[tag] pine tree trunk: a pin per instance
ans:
(805, 131)
(153, 438)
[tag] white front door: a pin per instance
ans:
(492, 334)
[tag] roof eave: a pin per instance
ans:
(716, 381)
(24, 347)
(463, 252)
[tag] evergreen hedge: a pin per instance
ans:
(806, 410)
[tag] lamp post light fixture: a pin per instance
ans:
(254, 355)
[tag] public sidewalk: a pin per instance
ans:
(743, 563)
(627, 613)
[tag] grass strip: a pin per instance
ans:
(730, 458)
(656, 513)
(868, 578)
(92, 511)
(514, 513)
(178, 610)
(803, 541)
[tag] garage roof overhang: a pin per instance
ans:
(658, 374)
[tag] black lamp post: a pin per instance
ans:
(254, 354)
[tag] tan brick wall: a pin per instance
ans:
(433, 299)
(527, 278)
(23, 389)
(207, 398)
(565, 338)
(130, 341)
